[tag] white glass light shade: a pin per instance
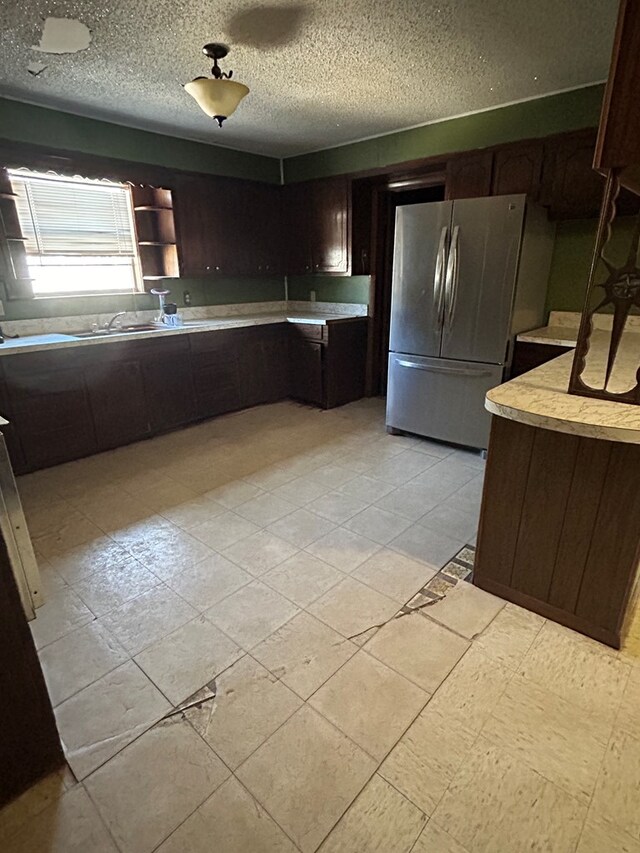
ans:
(217, 97)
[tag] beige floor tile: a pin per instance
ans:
(79, 659)
(146, 619)
(51, 582)
(269, 477)
(208, 581)
(75, 531)
(224, 530)
(401, 468)
(260, 552)
(616, 794)
(71, 824)
(22, 810)
(331, 476)
(306, 775)
(301, 528)
(380, 819)
(370, 703)
(337, 507)
(233, 821)
(553, 737)
(629, 714)
(108, 589)
(104, 717)
(351, 608)
(233, 494)
(265, 509)
(465, 609)
(343, 549)
(302, 578)
(435, 840)
(366, 489)
(496, 803)
(190, 513)
(304, 653)
(187, 659)
(302, 490)
(509, 637)
(433, 548)
(394, 575)
(251, 614)
(422, 651)
(153, 785)
(425, 760)
(472, 690)
(378, 524)
(60, 615)
(577, 669)
(411, 501)
(250, 705)
(453, 522)
(599, 836)
(80, 563)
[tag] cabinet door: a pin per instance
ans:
(263, 365)
(216, 374)
(297, 238)
(518, 169)
(469, 175)
(50, 408)
(306, 364)
(263, 227)
(117, 399)
(330, 225)
(575, 188)
(168, 382)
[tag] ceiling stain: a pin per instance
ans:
(63, 35)
(267, 26)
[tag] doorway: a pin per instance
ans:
(386, 199)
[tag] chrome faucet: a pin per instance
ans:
(108, 326)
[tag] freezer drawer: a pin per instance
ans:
(440, 398)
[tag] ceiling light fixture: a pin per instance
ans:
(220, 96)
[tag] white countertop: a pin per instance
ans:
(559, 336)
(39, 343)
(539, 398)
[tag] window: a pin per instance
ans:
(79, 234)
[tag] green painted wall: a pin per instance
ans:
(330, 288)
(222, 291)
(571, 259)
(527, 120)
(26, 123)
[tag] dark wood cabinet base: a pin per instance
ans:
(560, 526)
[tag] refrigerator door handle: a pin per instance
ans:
(458, 371)
(451, 278)
(438, 278)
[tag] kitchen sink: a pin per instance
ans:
(118, 330)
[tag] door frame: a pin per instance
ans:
(386, 195)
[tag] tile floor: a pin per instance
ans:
(257, 639)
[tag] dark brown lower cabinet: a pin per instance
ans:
(168, 382)
(528, 355)
(559, 526)
(68, 403)
(116, 396)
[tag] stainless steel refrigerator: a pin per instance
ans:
(468, 275)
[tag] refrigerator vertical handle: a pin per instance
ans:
(451, 278)
(438, 278)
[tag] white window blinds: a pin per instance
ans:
(68, 216)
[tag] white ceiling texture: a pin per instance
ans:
(321, 72)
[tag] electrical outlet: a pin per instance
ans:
(312, 296)
(2, 309)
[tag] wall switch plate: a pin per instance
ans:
(312, 296)
(2, 314)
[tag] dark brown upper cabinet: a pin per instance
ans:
(317, 218)
(518, 169)
(574, 189)
(228, 227)
(469, 175)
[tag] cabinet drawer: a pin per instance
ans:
(310, 331)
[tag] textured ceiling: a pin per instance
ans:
(321, 73)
